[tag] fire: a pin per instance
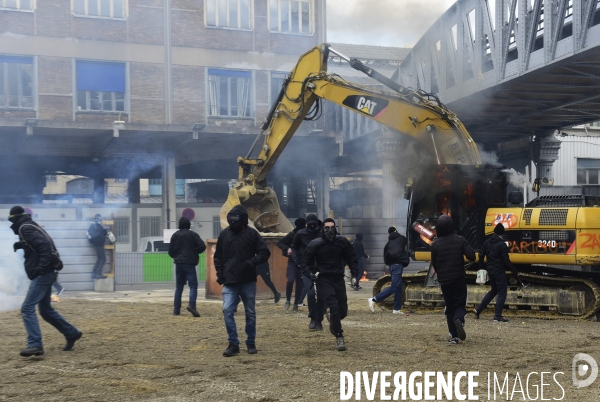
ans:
(364, 277)
(54, 298)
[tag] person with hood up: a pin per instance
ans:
(301, 240)
(184, 248)
(324, 263)
(239, 250)
(447, 253)
(38, 247)
(496, 251)
(96, 236)
(359, 250)
(392, 253)
(292, 273)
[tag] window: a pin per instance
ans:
(290, 16)
(150, 226)
(216, 226)
(100, 86)
(155, 182)
(121, 229)
(99, 8)
(587, 171)
(276, 84)
(16, 82)
(51, 178)
(26, 5)
(229, 93)
(228, 13)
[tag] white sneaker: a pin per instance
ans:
(371, 304)
(397, 312)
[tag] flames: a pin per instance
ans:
(364, 277)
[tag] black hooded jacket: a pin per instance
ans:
(37, 248)
(185, 247)
(329, 258)
(359, 248)
(301, 240)
(447, 252)
(396, 243)
(496, 251)
(285, 243)
(239, 251)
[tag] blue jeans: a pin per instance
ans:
(395, 288)
(231, 295)
(38, 294)
(185, 273)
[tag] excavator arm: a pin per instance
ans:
(413, 113)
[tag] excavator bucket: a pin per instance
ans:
(263, 209)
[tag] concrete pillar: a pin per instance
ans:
(168, 191)
(323, 194)
(133, 191)
(388, 148)
(99, 194)
(545, 152)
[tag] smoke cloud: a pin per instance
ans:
(13, 281)
(515, 178)
(397, 23)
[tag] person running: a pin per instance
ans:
(292, 272)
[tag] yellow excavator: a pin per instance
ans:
(553, 241)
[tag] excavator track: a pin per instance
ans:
(545, 296)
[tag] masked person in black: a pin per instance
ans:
(38, 247)
(496, 251)
(239, 250)
(359, 250)
(96, 236)
(184, 248)
(325, 260)
(292, 272)
(447, 253)
(301, 240)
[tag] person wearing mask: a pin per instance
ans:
(495, 251)
(96, 236)
(359, 250)
(394, 255)
(301, 240)
(447, 253)
(239, 250)
(324, 262)
(264, 272)
(38, 248)
(292, 273)
(185, 248)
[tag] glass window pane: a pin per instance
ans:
(234, 96)
(107, 103)
(11, 3)
(93, 7)
(118, 11)
(2, 91)
(245, 14)
(81, 104)
(119, 95)
(222, 13)
(285, 16)
(223, 97)
(233, 13)
(305, 17)
(295, 17)
(26, 83)
(593, 176)
(120, 106)
(211, 13)
(13, 84)
(274, 15)
(276, 84)
(25, 4)
(80, 7)
(581, 176)
(94, 100)
(105, 8)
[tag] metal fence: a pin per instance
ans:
(137, 268)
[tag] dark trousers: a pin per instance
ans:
(185, 274)
(266, 277)
(100, 261)
(315, 306)
(331, 293)
(361, 270)
(499, 287)
(455, 296)
(293, 274)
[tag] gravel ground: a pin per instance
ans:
(138, 351)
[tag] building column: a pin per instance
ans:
(133, 190)
(169, 205)
(388, 148)
(323, 194)
(545, 153)
(99, 194)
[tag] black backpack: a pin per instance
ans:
(55, 261)
(396, 253)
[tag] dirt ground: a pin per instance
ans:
(138, 351)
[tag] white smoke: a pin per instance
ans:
(13, 281)
(515, 178)
(488, 157)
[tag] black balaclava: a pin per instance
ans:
(329, 232)
(499, 229)
(97, 218)
(184, 223)
(312, 223)
(300, 223)
(359, 236)
(18, 216)
(237, 218)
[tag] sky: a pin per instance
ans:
(397, 23)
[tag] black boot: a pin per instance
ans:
(232, 350)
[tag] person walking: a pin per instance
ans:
(394, 255)
(239, 250)
(496, 252)
(292, 273)
(185, 248)
(324, 262)
(359, 251)
(301, 240)
(264, 272)
(96, 236)
(447, 253)
(38, 248)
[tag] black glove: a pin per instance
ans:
(220, 280)
(248, 265)
(312, 275)
(17, 246)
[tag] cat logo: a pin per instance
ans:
(368, 105)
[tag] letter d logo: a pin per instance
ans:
(581, 369)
